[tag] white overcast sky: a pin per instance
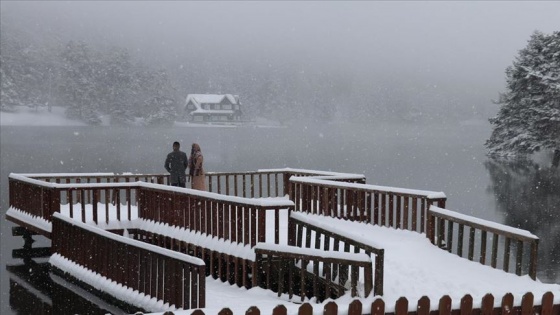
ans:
(466, 42)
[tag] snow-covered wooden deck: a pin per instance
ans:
(413, 266)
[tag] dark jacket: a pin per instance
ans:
(176, 164)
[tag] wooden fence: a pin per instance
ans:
(296, 228)
(267, 183)
(235, 219)
(224, 266)
(422, 307)
(329, 269)
(176, 279)
(442, 224)
(241, 220)
(379, 205)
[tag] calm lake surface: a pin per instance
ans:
(448, 158)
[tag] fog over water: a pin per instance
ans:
(382, 65)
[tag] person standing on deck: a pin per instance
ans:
(176, 164)
(196, 170)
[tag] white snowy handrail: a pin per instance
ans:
(367, 187)
(263, 202)
(142, 245)
(326, 255)
(481, 223)
(314, 173)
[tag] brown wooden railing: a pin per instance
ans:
(296, 227)
(529, 305)
(228, 267)
(334, 270)
(442, 224)
(175, 278)
(379, 205)
(267, 182)
(235, 219)
(33, 196)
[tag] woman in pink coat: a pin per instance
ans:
(196, 169)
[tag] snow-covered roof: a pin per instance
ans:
(198, 99)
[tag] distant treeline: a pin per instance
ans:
(91, 80)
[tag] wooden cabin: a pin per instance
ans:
(213, 108)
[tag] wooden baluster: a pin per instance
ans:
(494, 250)
(519, 259)
(471, 243)
(506, 254)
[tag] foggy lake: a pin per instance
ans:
(439, 157)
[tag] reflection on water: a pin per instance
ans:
(529, 197)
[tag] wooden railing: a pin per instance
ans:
(267, 182)
(33, 197)
(298, 223)
(43, 198)
(379, 205)
(236, 219)
(441, 229)
(334, 270)
(87, 178)
(230, 266)
(172, 277)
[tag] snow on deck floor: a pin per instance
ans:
(413, 268)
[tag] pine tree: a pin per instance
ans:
(529, 117)
(78, 86)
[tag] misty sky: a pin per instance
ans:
(461, 43)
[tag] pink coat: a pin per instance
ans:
(197, 169)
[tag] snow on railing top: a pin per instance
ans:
(337, 227)
(221, 245)
(482, 223)
(132, 242)
(311, 180)
(263, 202)
(55, 175)
(313, 172)
(313, 252)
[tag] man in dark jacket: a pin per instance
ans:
(176, 164)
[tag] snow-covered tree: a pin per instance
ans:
(163, 111)
(77, 85)
(160, 102)
(23, 70)
(529, 117)
(116, 81)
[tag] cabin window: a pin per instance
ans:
(206, 106)
(198, 118)
(226, 106)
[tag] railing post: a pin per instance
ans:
(533, 260)
(379, 266)
(430, 229)
(291, 229)
(288, 186)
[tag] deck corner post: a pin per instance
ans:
(379, 272)
(430, 229)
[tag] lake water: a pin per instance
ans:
(448, 158)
